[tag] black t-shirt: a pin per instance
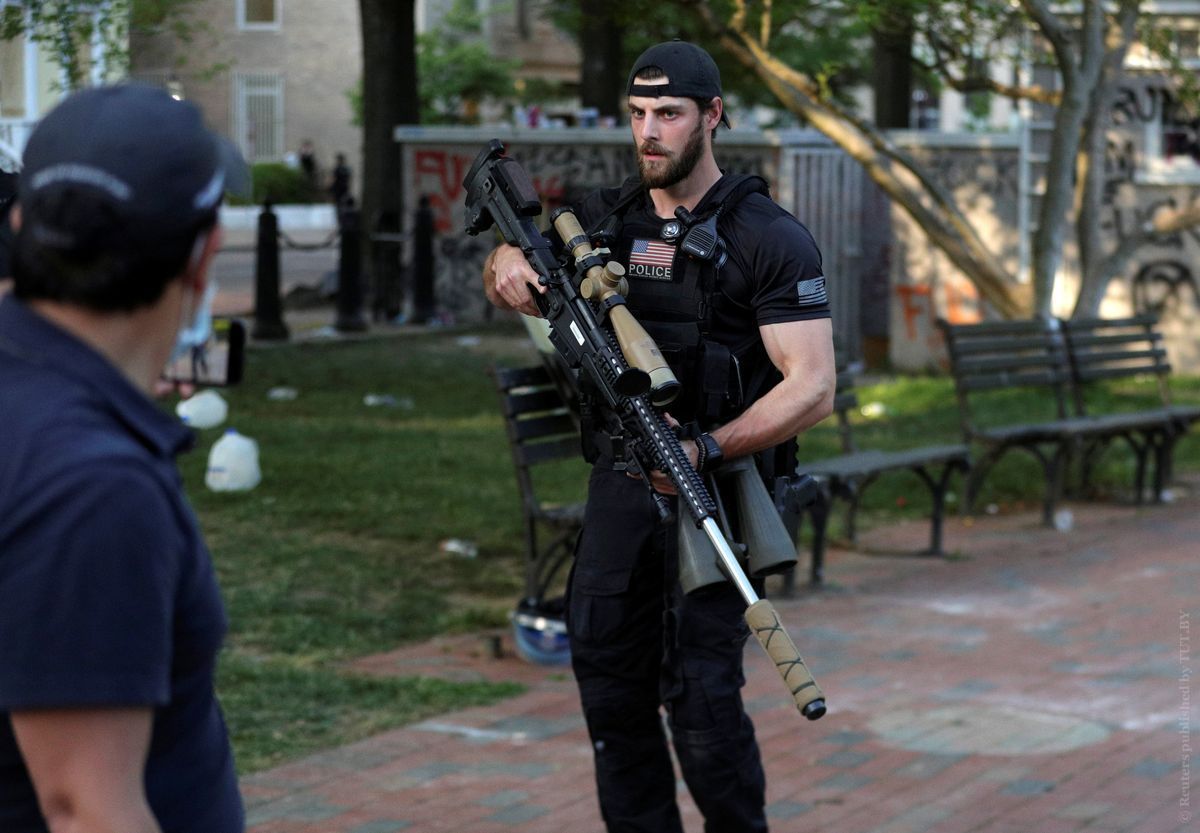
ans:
(772, 273)
(108, 596)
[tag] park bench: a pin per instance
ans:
(990, 362)
(846, 476)
(1107, 349)
(541, 429)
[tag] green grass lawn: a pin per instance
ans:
(335, 555)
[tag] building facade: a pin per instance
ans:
(269, 74)
(32, 83)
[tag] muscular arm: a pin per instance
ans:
(87, 767)
(803, 353)
(507, 277)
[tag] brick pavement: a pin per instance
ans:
(1031, 682)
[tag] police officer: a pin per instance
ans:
(109, 608)
(731, 288)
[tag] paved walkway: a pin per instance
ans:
(1038, 681)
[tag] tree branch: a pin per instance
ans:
(980, 84)
(944, 224)
(737, 20)
(1052, 26)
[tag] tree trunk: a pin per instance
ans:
(601, 73)
(892, 73)
(1056, 203)
(1098, 267)
(389, 98)
(1080, 62)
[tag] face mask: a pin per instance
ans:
(195, 334)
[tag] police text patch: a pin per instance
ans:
(651, 259)
(811, 292)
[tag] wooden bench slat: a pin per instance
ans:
(1078, 340)
(515, 377)
(564, 448)
(531, 401)
(555, 424)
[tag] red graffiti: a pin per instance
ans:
(911, 308)
(962, 302)
(919, 307)
(438, 175)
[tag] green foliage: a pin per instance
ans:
(279, 183)
(67, 30)
(354, 96)
(819, 38)
(457, 71)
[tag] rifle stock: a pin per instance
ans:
(499, 192)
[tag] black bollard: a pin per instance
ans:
(349, 293)
(423, 300)
(268, 310)
(386, 288)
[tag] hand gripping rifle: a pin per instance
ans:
(499, 192)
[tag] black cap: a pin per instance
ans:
(123, 166)
(691, 73)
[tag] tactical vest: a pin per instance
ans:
(673, 294)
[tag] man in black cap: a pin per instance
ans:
(8, 196)
(745, 325)
(109, 607)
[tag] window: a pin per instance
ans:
(258, 115)
(12, 78)
(1171, 141)
(260, 14)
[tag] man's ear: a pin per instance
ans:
(14, 217)
(712, 116)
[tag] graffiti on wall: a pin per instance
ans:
(925, 287)
(561, 173)
(1160, 277)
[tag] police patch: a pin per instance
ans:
(812, 292)
(651, 259)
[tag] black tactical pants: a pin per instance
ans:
(637, 641)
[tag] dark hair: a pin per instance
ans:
(99, 271)
(653, 73)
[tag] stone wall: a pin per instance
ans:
(890, 283)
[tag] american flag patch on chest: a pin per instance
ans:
(651, 259)
(811, 292)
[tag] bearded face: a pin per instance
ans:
(674, 166)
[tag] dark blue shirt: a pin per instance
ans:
(107, 592)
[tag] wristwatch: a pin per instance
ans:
(709, 454)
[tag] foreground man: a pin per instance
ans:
(747, 332)
(109, 610)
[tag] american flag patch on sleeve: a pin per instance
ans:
(811, 292)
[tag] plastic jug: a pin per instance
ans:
(233, 464)
(207, 409)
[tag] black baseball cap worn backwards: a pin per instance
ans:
(691, 73)
(118, 167)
